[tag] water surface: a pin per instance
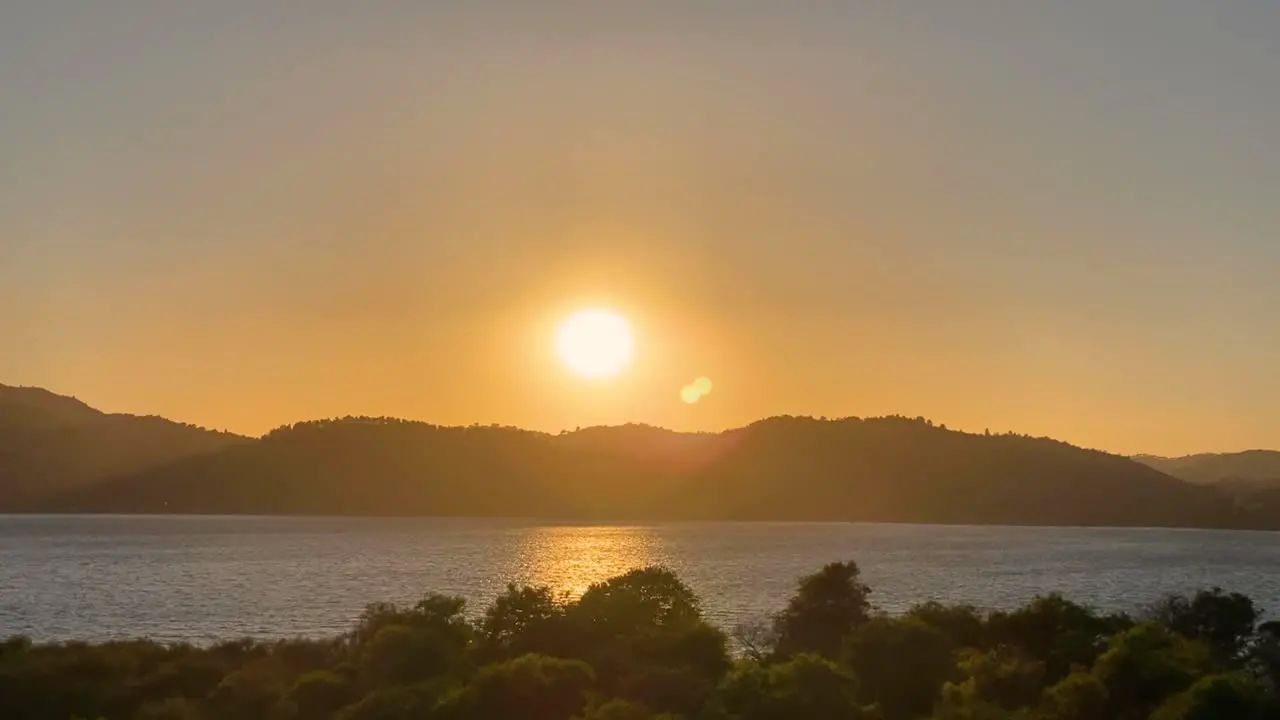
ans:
(204, 578)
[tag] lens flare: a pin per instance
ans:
(696, 390)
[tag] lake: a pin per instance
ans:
(208, 578)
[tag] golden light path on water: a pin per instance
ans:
(570, 559)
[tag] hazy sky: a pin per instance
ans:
(1059, 218)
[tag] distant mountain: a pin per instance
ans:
(887, 469)
(1242, 472)
(27, 408)
(50, 444)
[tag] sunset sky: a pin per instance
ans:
(1061, 219)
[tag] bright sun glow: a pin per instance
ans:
(595, 343)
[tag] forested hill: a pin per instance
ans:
(1252, 468)
(51, 444)
(1251, 478)
(786, 468)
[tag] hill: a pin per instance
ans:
(1255, 469)
(787, 468)
(51, 444)
(27, 408)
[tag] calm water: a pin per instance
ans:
(207, 578)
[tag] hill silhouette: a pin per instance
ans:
(51, 444)
(1251, 478)
(786, 468)
(1252, 469)
(28, 408)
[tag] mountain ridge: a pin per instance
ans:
(50, 444)
(888, 469)
(1207, 468)
(891, 469)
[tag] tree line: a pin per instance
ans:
(637, 647)
(786, 468)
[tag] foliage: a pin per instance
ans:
(827, 607)
(902, 664)
(637, 647)
(806, 686)
(1145, 665)
(995, 682)
(1237, 696)
(1055, 631)
(1079, 696)
(1224, 621)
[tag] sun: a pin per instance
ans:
(595, 343)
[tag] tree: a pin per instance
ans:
(392, 703)
(405, 647)
(806, 686)
(1002, 679)
(318, 694)
(644, 635)
(1145, 665)
(250, 692)
(1078, 696)
(756, 639)
(962, 624)
(1236, 696)
(532, 687)
(522, 620)
(648, 597)
(827, 607)
(902, 664)
(1224, 621)
(1060, 633)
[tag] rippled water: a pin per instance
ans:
(211, 578)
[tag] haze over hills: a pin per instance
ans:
(51, 444)
(1251, 478)
(1251, 467)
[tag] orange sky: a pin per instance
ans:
(1049, 222)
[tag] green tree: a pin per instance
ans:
(1146, 664)
(644, 635)
(1236, 696)
(253, 691)
(405, 647)
(522, 620)
(649, 597)
(827, 607)
(318, 695)
(806, 686)
(1055, 631)
(962, 624)
(902, 664)
(1078, 696)
(532, 687)
(995, 682)
(389, 703)
(1224, 621)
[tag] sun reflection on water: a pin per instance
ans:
(570, 559)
